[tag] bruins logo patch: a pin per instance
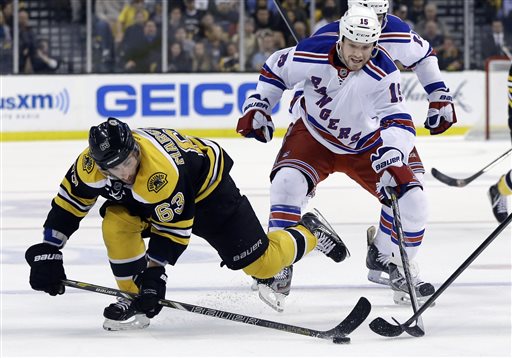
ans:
(87, 163)
(157, 181)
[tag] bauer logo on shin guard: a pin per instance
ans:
(248, 251)
(48, 257)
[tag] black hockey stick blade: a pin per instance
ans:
(386, 329)
(448, 180)
(337, 334)
(443, 178)
(354, 319)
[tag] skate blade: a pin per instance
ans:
(402, 298)
(271, 298)
(139, 321)
(376, 277)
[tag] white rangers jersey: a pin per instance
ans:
(405, 46)
(348, 112)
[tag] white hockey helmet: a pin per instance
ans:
(360, 24)
(379, 6)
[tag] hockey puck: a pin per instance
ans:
(341, 340)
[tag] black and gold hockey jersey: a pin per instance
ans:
(175, 173)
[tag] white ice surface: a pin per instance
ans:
(471, 318)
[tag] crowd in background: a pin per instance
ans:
(203, 35)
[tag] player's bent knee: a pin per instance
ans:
(414, 206)
(289, 186)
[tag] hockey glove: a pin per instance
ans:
(256, 121)
(46, 268)
(388, 161)
(441, 112)
(151, 283)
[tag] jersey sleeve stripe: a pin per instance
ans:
(372, 73)
(266, 75)
(435, 86)
(400, 120)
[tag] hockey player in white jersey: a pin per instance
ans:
(350, 119)
(415, 53)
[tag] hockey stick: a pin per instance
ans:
(384, 328)
(286, 20)
(463, 182)
(337, 334)
(418, 329)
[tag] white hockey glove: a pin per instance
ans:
(388, 161)
(441, 112)
(256, 121)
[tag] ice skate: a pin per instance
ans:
(399, 284)
(329, 242)
(499, 203)
(273, 290)
(121, 315)
(376, 262)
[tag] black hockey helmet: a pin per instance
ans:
(110, 143)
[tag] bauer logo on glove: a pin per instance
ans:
(256, 121)
(441, 112)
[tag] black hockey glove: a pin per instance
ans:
(46, 268)
(151, 284)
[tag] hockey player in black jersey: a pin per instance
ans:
(499, 192)
(162, 185)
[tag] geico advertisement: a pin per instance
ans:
(56, 102)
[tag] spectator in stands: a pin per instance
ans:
(225, 15)
(133, 36)
(5, 31)
(449, 56)
(494, 40)
(300, 30)
(27, 44)
(432, 35)
(253, 5)
(5, 46)
(42, 62)
(103, 46)
(416, 12)
(192, 19)
(179, 60)
(156, 15)
(108, 10)
(145, 55)
(186, 44)
(298, 10)
(330, 13)
(230, 62)
(216, 46)
(7, 10)
(205, 26)
(279, 39)
(402, 11)
(267, 47)
(127, 17)
(430, 14)
(175, 22)
(201, 61)
(250, 40)
(263, 19)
